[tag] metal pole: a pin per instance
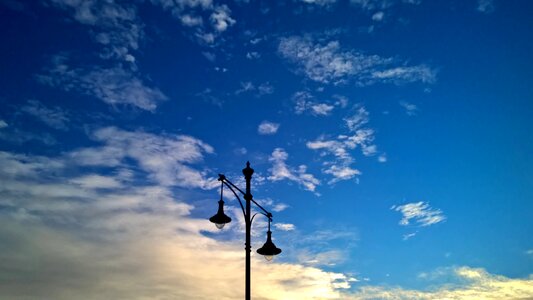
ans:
(248, 197)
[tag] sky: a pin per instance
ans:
(391, 140)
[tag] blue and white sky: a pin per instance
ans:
(391, 139)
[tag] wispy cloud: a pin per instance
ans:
(472, 283)
(114, 85)
(55, 117)
(115, 25)
(253, 55)
(267, 128)
(95, 181)
(262, 89)
(322, 258)
(304, 102)
(419, 212)
(408, 236)
(341, 146)
(372, 5)
(401, 75)
(410, 108)
(329, 63)
(284, 226)
(281, 171)
(322, 109)
(167, 159)
(319, 2)
(378, 16)
(220, 17)
(15, 135)
(207, 19)
(485, 6)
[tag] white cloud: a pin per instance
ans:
(191, 21)
(262, 89)
(324, 258)
(340, 147)
(304, 102)
(419, 212)
(95, 181)
(341, 173)
(408, 236)
(246, 86)
(372, 5)
(253, 55)
(382, 158)
(240, 151)
(400, 75)
(17, 136)
(113, 86)
(281, 171)
(195, 14)
(265, 88)
(55, 117)
(357, 120)
(267, 128)
(115, 24)
(322, 63)
(322, 109)
(166, 159)
(485, 6)
(221, 18)
(329, 63)
(341, 101)
(3, 124)
(320, 2)
(474, 283)
(410, 108)
(378, 16)
(279, 207)
(284, 226)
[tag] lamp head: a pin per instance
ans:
(220, 219)
(269, 249)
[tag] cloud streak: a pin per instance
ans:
(55, 117)
(419, 212)
(475, 283)
(281, 171)
(114, 86)
(116, 25)
(328, 63)
(338, 149)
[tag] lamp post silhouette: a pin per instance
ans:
(269, 250)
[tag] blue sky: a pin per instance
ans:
(391, 139)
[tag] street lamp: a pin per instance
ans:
(269, 250)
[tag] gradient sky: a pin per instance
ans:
(391, 139)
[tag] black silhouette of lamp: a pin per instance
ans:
(269, 250)
(220, 219)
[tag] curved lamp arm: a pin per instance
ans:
(223, 179)
(232, 186)
(268, 215)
